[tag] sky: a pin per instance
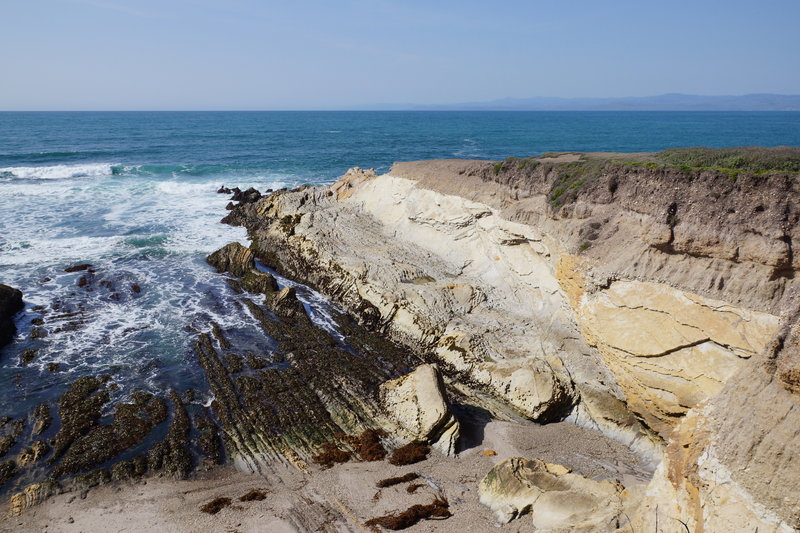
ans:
(263, 54)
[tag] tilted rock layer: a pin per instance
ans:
(623, 302)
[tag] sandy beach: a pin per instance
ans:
(341, 498)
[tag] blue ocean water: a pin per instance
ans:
(134, 195)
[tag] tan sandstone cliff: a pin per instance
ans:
(642, 300)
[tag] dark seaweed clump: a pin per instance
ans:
(255, 495)
(439, 508)
(215, 505)
(409, 454)
(411, 489)
(388, 482)
(329, 455)
(368, 445)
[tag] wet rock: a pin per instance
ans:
(11, 430)
(38, 333)
(41, 419)
(418, 403)
(10, 305)
(8, 469)
(223, 190)
(259, 282)
(132, 422)
(246, 197)
(239, 261)
(129, 469)
(79, 409)
(78, 268)
(53, 367)
(255, 362)
(27, 356)
(135, 288)
(92, 479)
(208, 440)
(233, 258)
(230, 206)
(286, 304)
(555, 498)
(31, 455)
(171, 455)
(234, 362)
(220, 336)
(309, 392)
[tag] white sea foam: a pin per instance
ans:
(55, 250)
(140, 229)
(55, 172)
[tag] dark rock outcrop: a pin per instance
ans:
(10, 305)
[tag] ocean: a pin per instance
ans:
(134, 195)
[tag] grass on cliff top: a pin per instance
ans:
(574, 170)
(746, 159)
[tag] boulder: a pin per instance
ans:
(418, 404)
(233, 258)
(10, 305)
(556, 499)
(285, 303)
(246, 197)
(239, 260)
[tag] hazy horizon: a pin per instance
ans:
(105, 55)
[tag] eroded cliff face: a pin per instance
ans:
(643, 295)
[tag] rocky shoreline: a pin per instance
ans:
(582, 291)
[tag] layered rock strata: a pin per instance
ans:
(312, 390)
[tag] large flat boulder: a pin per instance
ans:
(555, 498)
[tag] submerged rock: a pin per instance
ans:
(556, 499)
(418, 403)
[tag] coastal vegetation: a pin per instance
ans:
(573, 171)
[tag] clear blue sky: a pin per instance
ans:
(263, 54)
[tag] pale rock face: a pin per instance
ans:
(556, 499)
(670, 349)
(418, 403)
(731, 464)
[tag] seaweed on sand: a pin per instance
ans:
(438, 509)
(409, 454)
(388, 482)
(215, 505)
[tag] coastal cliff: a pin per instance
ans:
(647, 298)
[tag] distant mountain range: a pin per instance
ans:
(663, 102)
